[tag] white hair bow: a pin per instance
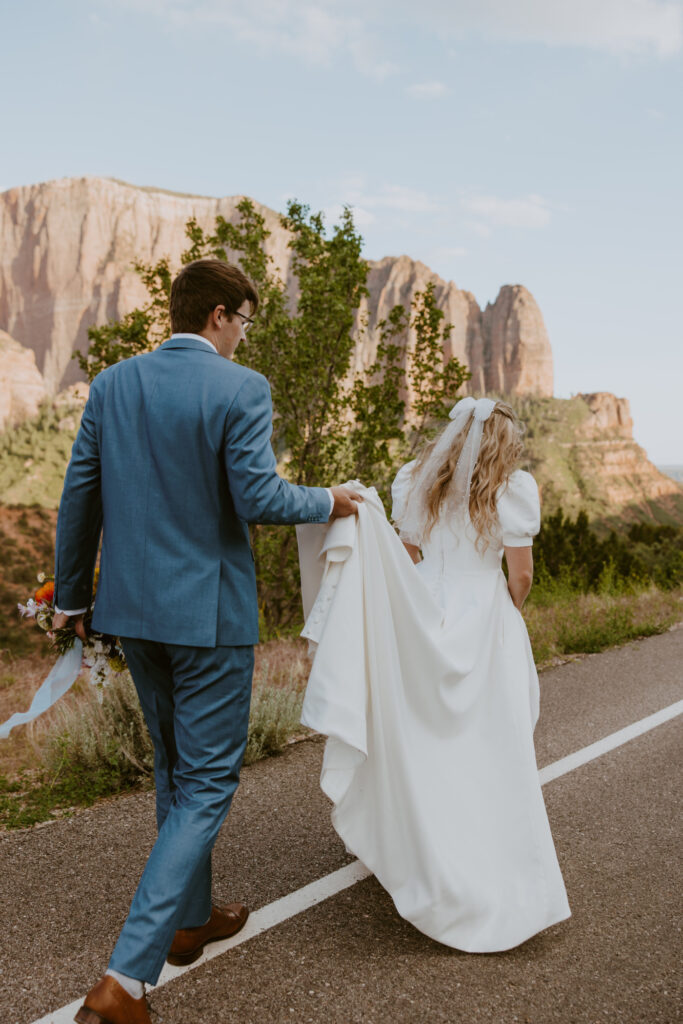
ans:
(467, 411)
(483, 407)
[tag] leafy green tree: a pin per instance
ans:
(383, 436)
(376, 437)
(433, 381)
(331, 423)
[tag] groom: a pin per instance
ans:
(172, 461)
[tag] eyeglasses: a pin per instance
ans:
(247, 321)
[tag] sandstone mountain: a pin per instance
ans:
(624, 477)
(22, 387)
(68, 248)
(582, 452)
(505, 347)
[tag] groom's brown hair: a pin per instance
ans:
(201, 286)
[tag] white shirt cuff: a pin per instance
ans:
(329, 491)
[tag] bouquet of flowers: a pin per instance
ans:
(102, 654)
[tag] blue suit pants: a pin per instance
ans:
(196, 705)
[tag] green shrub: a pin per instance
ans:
(575, 623)
(274, 719)
(569, 552)
(98, 745)
(34, 456)
(101, 735)
(612, 626)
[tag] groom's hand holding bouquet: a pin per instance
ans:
(61, 620)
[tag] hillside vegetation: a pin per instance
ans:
(580, 469)
(26, 548)
(34, 455)
(571, 470)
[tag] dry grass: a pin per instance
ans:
(280, 674)
(573, 623)
(287, 663)
(83, 749)
(279, 665)
(94, 744)
(586, 623)
(19, 680)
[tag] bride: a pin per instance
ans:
(424, 682)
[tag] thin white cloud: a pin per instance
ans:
(443, 253)
(316, 32)
(399, 197)
(322, 31)
(362, 218)
(427, 90)
(353, 182)
(495, 212)
(355, 190)
(616, 26)
(367, 56)
(478, 228)
(370, 202)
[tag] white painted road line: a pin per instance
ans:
(316, 892)
(260, 921)
(607, 743)
(277, 912)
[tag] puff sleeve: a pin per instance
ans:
(400, 489)
(519, 510)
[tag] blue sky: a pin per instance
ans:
(500, 141)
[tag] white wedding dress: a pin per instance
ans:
(424, 681)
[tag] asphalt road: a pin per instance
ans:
(65, 889)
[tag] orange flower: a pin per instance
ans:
(45, 594)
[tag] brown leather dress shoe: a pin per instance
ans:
(109, 1003)
(188, 944)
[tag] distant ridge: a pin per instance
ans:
(675, 472)
(158, 188)
(68, 250)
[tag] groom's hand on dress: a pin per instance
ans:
(345, 502)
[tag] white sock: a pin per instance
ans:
(133, 987)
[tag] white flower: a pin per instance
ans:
(42, 616)
(96, 657)
(28, 610)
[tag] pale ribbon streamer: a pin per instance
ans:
(63, 675)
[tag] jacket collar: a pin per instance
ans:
(183, 341)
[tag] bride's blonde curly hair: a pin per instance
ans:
(500, 452)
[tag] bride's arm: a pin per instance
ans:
(413, 550)
(520, 565)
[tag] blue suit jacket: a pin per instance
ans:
(172, 460)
